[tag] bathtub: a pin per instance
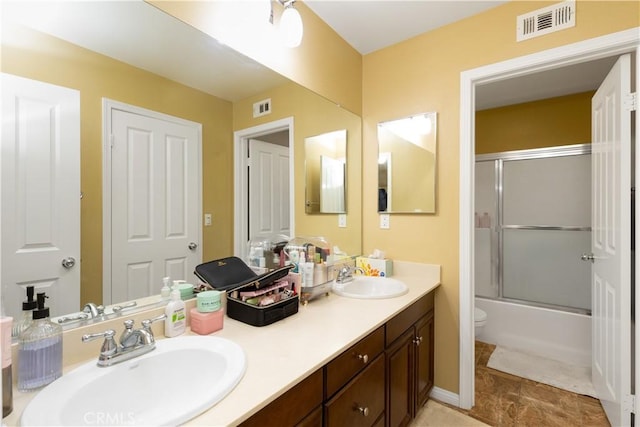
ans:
(550, 333)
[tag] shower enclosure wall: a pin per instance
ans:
(533, 223)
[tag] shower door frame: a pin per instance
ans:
(497, 267)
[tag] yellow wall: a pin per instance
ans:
(314, 115)
(423, 74)
(324, 62)
(39, 57)
(551, 122)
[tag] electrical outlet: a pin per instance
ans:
(342, 220)
(384, 221)
(207, 220)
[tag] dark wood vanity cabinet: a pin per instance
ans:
(382, 380)
(409, 361)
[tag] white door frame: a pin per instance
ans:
(600, 47)
(108, 105)
(241, 182)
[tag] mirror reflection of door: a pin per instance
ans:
(155, 202)
(325, 170)
(269, 212)
(384, 182)
(40, 194)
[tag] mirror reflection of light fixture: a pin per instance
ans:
(291, 29)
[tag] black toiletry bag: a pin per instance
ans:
(233, 276)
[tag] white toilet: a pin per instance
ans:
(480, 319)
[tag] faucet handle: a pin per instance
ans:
(146, 324)
(109, 346)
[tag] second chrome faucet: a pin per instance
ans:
(133, 342)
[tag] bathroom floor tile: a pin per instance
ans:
(506, 400)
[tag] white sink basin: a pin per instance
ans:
(371, 287)
(180, 379)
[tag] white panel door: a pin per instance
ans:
(155, 193)
(611, 244)
(40, 193)
(268, 189)
(332, 185)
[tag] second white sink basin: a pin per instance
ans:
(180, 379)
(371, 287)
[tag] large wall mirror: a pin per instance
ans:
(325, 163)
(156, 62)
(407, 164)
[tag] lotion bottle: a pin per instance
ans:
(165, 292)
(40, 350)
(176, 321)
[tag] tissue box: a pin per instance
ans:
(375, 267)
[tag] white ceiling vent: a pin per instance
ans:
(546, 20)
(262, 108)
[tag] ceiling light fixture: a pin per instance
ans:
(291, 29)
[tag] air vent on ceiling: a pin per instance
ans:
(546, 20)
(262, 108)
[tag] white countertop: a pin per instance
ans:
(284, 353)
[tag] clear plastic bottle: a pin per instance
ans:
(27, 314)
(39, 350)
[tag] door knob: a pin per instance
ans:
(587, 257)
(193, 246)
(68, 262)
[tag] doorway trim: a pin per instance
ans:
(108, 106)
(241, 181)
(575, 53)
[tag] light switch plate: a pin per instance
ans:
(342, 220)
(384, 221)
(207, 220)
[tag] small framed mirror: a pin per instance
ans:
(407, 164)
(326, 173)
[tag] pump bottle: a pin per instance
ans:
(39, 350)
(176, 321)
(27, 314)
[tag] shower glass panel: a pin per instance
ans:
(533, 222)
(541, 266)
(486, 261)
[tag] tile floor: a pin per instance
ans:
(506, 400)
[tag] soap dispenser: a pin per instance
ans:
(39, 350)
(176, 321)
(27, 314)
(165, 292)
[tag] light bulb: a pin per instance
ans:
(291, 27)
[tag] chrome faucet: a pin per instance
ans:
(345, 274)
(133, 342)
(93, 310)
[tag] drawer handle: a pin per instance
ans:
(364, 358)
(417, 340)
(363, 411)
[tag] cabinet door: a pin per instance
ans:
(424, 359)
(400, 380)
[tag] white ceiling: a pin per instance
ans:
(372, 25)
(139, 34)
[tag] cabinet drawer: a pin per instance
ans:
(348, 364)
(361, 401)
(404, 320)
(293, 406)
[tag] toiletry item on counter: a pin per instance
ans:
(165, 291)
(27, 314)
(207, 317)
(39, 350)
(185, 289)
(375, 267)
(7, 377)
(176, 322)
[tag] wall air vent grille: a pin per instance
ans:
(546, 20)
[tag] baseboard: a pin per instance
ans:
(445, 396)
